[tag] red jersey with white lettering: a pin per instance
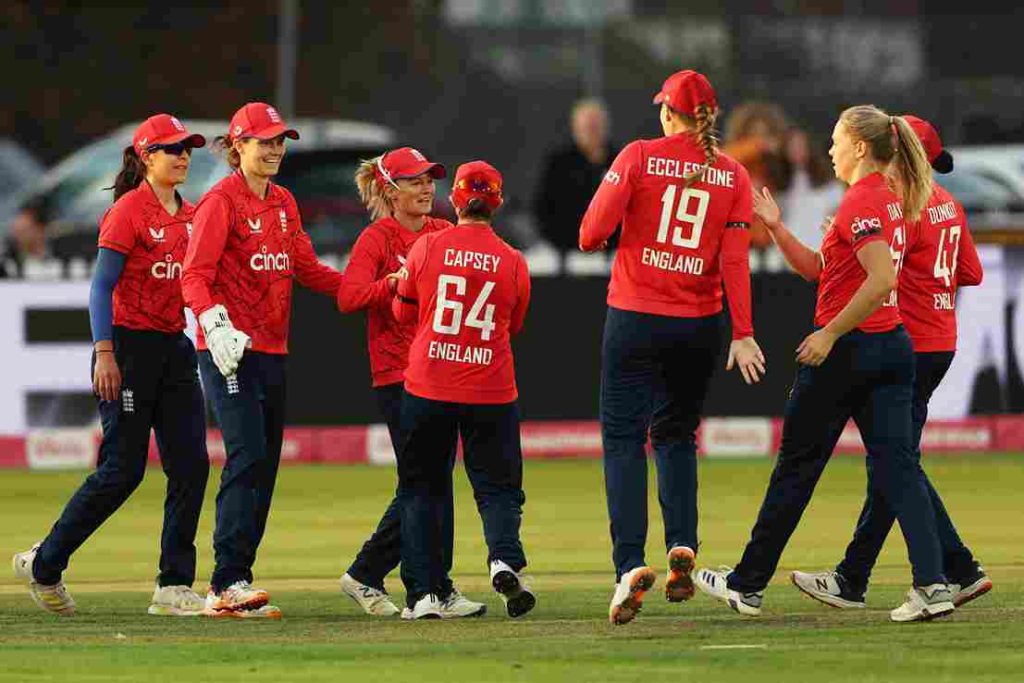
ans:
(870, 212)
(678, 243)
(942, 258)
(147, 295)
(381, 249)
(244, 253)
(469, 291)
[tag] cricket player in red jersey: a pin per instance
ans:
(468, 292)
(398, 190)
(247, 247)
(939, 256)
(858, 363)
(685, 210)
(144, 374)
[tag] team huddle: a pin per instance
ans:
(442, 303)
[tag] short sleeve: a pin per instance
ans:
(858, 225)
(116, 230)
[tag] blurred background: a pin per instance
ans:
(546, 90)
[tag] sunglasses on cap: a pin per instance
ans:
(478, 185)
(175, 149)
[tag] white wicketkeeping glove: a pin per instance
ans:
(226, 344)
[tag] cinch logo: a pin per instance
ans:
(168, 269)
(284, 220)
(612, 177)
(265, 261)
(157, 235)
(866, 225)
(254, 225)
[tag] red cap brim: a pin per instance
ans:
(194, 139)
(273, 131)
(434, 170)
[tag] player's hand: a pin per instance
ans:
(225, 343)
(815, 347)
(747, 355)
(393, 278)
(766, 208)
(106, 376)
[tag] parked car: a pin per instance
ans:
(19, 169)
(318, 169)
(989, 181)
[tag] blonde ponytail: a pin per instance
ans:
(893, 142)
(703, 125)
(910, 170)
(370, 192)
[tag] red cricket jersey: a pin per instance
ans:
(381, 249)
(147, 296)
(870, 212)
(942, 258)
(677, 244)
(469, 290)
(244, 253)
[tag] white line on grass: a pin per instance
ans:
(736, 646)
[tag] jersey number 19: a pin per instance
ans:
(694, 219)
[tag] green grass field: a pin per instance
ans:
(322, 514)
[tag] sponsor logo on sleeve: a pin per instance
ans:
(865, 227)
(612, 177)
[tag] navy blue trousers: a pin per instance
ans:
(250, 412)
(160, 392)
(655, 372)
(876, 519)
(494, 463)
(382, 552)
(869, 377)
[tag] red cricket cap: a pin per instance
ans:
(939, 158)
(684, 90)
(406, 162)
(477, 180)
(163, 129)
(259, 120)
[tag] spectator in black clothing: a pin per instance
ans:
(572, 174)
(25, 253)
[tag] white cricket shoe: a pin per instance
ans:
(176, 601)
(53, 598)
(374, 602)
(427, 607)
(827, 587)
(714, 582)
(679, 582)
(457, 605)
(628, 598)
(239, 596)
(514, 592)
(925, 603)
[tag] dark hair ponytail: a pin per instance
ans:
(132, 172)
(477, 209)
